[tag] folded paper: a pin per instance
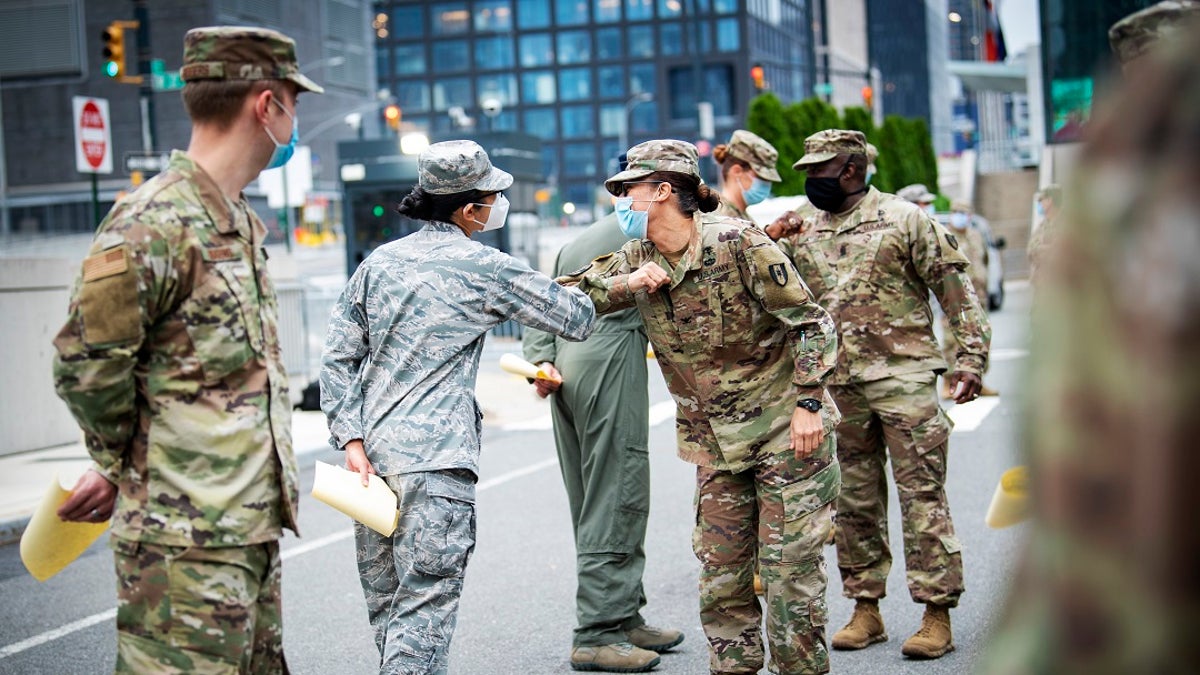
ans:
(373, 505)
(519, 366)
(50, 543)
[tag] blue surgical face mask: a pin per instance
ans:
(283, 152)
(958, 220)
(633, 223)
(759, 190)
(870, 173)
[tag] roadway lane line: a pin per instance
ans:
(308, 547)
(968, 416)
(659, 413)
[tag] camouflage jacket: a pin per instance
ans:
(170, 362)
(973, 244)
(873, 268)
(737, 334)
(405, 338)
(727, 208)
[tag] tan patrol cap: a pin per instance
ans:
(652, 156)
(916, 193)
(755, 151)
(825, 145)
(241, 53)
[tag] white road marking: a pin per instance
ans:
(968, 416)
(307, 547)
(659, 413)
(1008, 354)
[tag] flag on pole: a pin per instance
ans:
(994, 49)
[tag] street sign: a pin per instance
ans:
(147, 162)
(162, 79)
(93, 135)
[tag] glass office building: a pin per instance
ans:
(588, 75)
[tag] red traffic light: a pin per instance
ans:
(392, 114)
(758, 77)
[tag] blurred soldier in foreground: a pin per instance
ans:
(872, 259)
(1109, 582)
(170, 362)
(601, 414)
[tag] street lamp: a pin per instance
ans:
(633, 102)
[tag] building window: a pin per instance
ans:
(610, 44)
(533, 13)
(452, 91)
(669, 8)
(574, 84)
(574, 46)
(538, 87)
(408, 21)
(451, 18)
(717, 85)
(412, 96)
(381, 61)
(610, 81)
(571, 12)
(579, 159)
(644, 119)
(608, 11)
(503, 87)
(728, 36)
(612, 119)
(725, 6)
(505, 121)
(670, 39)
(451, 56)
(578, 193)
(410, 59)
(641, 42)
(641, 78)
(494, 53)
(577, 121)
(493, 15)
(542, 122)
(639, 10)
(537, 50)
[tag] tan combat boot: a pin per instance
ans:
(933, 639)
(864, 629)
(621, 657)
(654, 639)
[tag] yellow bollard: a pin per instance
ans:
(1010, 503)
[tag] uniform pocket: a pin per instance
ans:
(932, 433)
(808, 513)
(216, 327)
(447, 526)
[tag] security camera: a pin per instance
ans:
(491, 106)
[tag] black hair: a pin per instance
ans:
(422, 205)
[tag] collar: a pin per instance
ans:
(691, 259)
(227, 217)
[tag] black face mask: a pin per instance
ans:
(827, 193)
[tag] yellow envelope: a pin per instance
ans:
(373, 505)
(50, 543)
(1010, 503)
(519, 366)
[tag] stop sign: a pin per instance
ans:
(93, 136)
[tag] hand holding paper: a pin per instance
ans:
(50, 543)
(373, 505)
(519, 366)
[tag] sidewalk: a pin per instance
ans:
(506, 399)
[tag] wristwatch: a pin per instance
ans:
(809, 404)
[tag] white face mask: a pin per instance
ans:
(497, 213)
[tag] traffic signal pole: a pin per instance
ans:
(146, 90)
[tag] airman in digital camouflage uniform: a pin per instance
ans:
(747, 170)
(1107, 583)
(398, 388)
(745, 352)
(170, 362)
(871, 259)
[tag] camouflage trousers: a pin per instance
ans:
(413, 579)
(897, 418)
(198, 610)
(779, 511)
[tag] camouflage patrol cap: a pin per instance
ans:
(753, 150)
(241, 53)
(872, 153)
(960, 205)
(1137, 33)
(825, 145)
(916, 193)
(651, 156)
(457, 166)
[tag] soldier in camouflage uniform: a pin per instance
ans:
(745, 352)
(872, 259)
(1108, 581)
(747, 170)
(1049, 201)
(398, 388)
(170, 362)
(975, 247)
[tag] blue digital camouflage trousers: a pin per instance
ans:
(895, 418)
(780, 511)
(413, 579)
(214, 611)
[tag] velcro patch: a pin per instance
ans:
(950, 239)
(220, 253)
(105, 264)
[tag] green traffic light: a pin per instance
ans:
(110, 68)
(378, 211)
